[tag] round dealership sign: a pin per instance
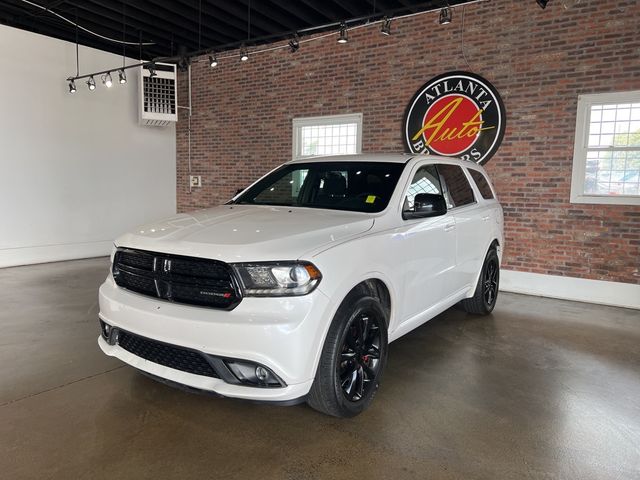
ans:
(457, 114)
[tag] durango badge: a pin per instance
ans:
(457, 114)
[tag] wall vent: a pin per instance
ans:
(158, 105)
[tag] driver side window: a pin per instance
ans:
(426, 180)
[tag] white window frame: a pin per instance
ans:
(298, 123)
(585, 102)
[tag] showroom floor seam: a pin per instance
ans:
(57, 387)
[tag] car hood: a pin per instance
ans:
(248, 233)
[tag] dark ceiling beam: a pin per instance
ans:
(308, 16)
(409, 5)
(39, 13)
(327, 10)
(261, 23)
(212, 27)
(285, 21)
(160, 31)
(382, 6)
(221, 17)
(348, 7)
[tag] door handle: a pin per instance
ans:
(484, 219)
(449, 226)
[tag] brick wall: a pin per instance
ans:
(539, 61)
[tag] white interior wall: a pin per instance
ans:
(75, 170)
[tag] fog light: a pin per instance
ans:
(261, 373)
(251, 374)
(105, 329)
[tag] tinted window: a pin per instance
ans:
(356, 186)
(283, 191)
(424, 181)
(457, 190)
(482, 184)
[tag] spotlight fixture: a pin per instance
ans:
(72, 87)
(91, 83)
(445, 16)
(213, 61)
(122, 78)
(294, 44)
(107, 80)
(244, 55)
(386, 26)
(542, 3)
(152, 69)
(343, 34)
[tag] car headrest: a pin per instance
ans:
(334, 184)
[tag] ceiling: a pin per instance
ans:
(173, 26)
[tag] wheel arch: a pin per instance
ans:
(371, 284)
(495, 244)
(376, 288)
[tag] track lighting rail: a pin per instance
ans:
(383, 18)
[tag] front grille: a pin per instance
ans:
(188, 280)
(171, 356)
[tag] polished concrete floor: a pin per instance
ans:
(540, 389)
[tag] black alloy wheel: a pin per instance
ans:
(359, 360)
(486, 293)
(352, 359)
(491, 281)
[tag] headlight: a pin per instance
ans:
(277, 279)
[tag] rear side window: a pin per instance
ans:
(482, 184)
(457, 190)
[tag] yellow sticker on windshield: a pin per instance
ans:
(371, 198)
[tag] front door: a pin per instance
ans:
(472, 229)
(428, 249)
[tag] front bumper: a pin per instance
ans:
(283, 334)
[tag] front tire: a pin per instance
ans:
(353, 358)
(484, 299)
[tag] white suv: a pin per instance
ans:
(294, 288)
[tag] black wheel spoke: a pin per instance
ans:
(351, 340)
(369, 373)
(360, 382)
(349, 382)
(490, 283)
(373, 352)
(359, 356)
(365, 330)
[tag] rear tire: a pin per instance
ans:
(353, 358)
(486, 294)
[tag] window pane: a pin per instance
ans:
(612, 172)
(338, 139)
(457, 190)
(614, 125)
(283, 191)
(482, 184)
(424, 181)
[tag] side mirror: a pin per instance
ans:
(230, 202)
(426, 205)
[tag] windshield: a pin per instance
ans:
(354, 186)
